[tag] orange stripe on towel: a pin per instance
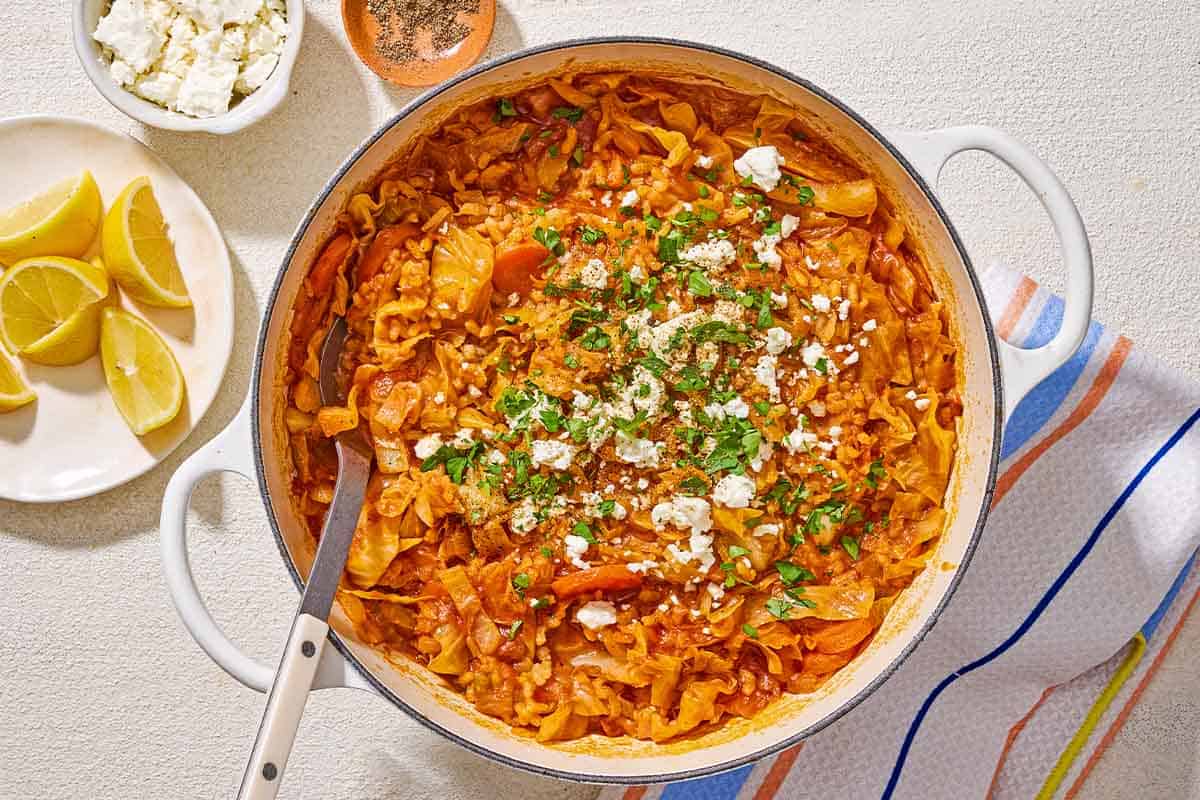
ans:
(1016, 307)
(1119, 722)
(634, 793)
(1013, 733)
(778, 772)
(1100, 386)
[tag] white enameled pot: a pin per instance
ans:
(995, 376)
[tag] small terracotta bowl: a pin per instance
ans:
(370, 41)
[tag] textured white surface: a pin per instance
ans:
(105, 696)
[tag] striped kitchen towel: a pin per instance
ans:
(1095, 520)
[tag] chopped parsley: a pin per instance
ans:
(512, 630)
(791, 574)
(699, 285)
(875, 473)
(850, 546)
(571, 114)
(550, 239)
(456, 461)
(590, 235)
(749, 630)
(520, 582)
(594, 339)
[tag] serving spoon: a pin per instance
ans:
(306, 641)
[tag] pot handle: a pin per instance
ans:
(228, 451)
(1020, 369)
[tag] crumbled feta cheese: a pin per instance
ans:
(192, 55)
(576, 547)
(812, 353)
(764, 373)
(779, 300)
(799, 440)
(208, 87)
(594, 274)
(704, 161)
(496, 457)
(639, 452)
(921, 404)
(761, 165)
(715, 590)
(764, 249)
(765, 451)
(684, 513)
(637, 274)
(911, 394)
(820, 303)
(778, 340)
(641, 566)
(844, 309)
(835, 431)
(254, 73)
(159, 87)
(699, 550)
(767, 529)
(523, 517)
(596, 614)
(428, 445)
(606, 199)
(736, 408)
(643, 484)
(870, 325)
(556, 455)
(630, 199)
(127, 31)
(121, 72)
(788, 225)
(734, 491)
(851, 359)
(439, 398)
(713, 255)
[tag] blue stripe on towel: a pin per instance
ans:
(1035, 410)
(1161, 611)
(719, 787)
(1038, 609)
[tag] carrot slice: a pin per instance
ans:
(386, 240)
(328, 264)
(516, 265)
(608, 578)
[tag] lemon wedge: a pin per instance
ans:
(14, 392)
(143, 376)
(50, 308)
(137, 250)
(61, 221)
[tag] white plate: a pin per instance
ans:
(72, 442)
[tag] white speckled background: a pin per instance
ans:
(103, 694)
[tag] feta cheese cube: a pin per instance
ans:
(761, 165)
(596, 614)
(734, 491)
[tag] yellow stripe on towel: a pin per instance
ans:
(1094, 715)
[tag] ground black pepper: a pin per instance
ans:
(401, 22)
